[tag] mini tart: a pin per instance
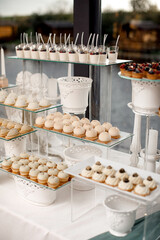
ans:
(97, 166)
(24, 155)
(42, 161)
(68, 129)
(6, 165)
(125, 185)
(53, 172)
(91, 134)
(87, 172)
(135, 179)
(53, 182)
(114, 132)
(85, 121)
(33, 173)
(12, 133)
(42, 178)
(137, 73)
(15, 167)
(33, 164)
(150, 183)
(43, 168)
(142, 190)
(44, 103)
(10, 125)
(79, 132)
(25, 129)
(51, 164)
(66, 116)
(24, 161)
(109, 170)
(99, 176)
(74, 118)
(121, 174)
(61, 166)
(94, 123)
(151, 75)
(112, 181)
(63, 177)
(58, 126)
(107, 126)
(104, 137)
(4, 132)
(33, 106)
(49, 124)
(18, 126)
(40, 121)
(76, 124)
(99, 129)
(24, 170)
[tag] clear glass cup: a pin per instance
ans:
(112, 53)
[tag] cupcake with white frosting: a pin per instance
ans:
(2, 99)
(91, 134)
(107, 126)
(112, 181)
(125, 185)
(135, 179)
(99, 176)
(87, 126)
(74, 118)
(87, 172)
(40, 122)
(33, 106)
(58, 126)
(12, 95)
(104, 137)
(94, 123)
(33, 164)
(97, 166)
(24, 161)
(79, 132)
(49, 124)
(76, 124)
(68, 129)
(142, 190)
(20, 103)
(44, 103)
(50, 117)
(150, 182)
(99, 129)
(42, 161)
(66, 121)
(84, 120)
(58, 114)
(109, 170)
(121, 173)
(114, 132)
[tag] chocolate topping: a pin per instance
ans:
(112, 176)
(135, 174)
(122, 170)
(142, 185)
(88, 168)
(109, 167)
(99, 172)
(98, 163)
(149, 178)
(126, 180)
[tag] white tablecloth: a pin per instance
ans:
(20, 220)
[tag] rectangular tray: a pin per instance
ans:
(76, 169)
(20, 135)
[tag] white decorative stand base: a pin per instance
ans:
(15, 147)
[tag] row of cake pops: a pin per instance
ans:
(91, 53)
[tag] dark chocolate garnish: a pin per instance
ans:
(149, 178)
(135, 175)
(122, 170)
(109, 167)
(88, 168)
(126, 180)
(98, 163)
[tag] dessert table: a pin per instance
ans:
(21, 220)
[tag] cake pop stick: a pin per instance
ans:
(117, 41)
(104, 41)
(82, 38)
(75, 42)
(89, 40)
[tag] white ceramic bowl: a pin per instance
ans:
(121, 214)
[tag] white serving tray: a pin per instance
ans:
(76, 169)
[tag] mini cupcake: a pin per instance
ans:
(99, 176)
(53, 172)
(24, 170)
(25, 129)
(107, 126)
(6, 165)
(104, 137)
(24, 155)
(99, 129)
(142, 190)
(58, 126)
(109, 170)
(150, 183)
(97, 166)
(33, 106)
(51, 164)
(76, 124)
(63, 177)
(112, 181)
(121, 174)
(68, 129)
(53, 182)
(94, 123)
(42, 178)
(10, 125)
(84, 120)
(44, 103)
(33, 173)
(12, 133)
(114, 132)
(91, 134)
(135, 179)
(87, 172)
(42, 161)
(49, 124)
(79, 132)
(40, 122)
(125, 185)
(61, 166)
(43, 168)
(15, 167)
